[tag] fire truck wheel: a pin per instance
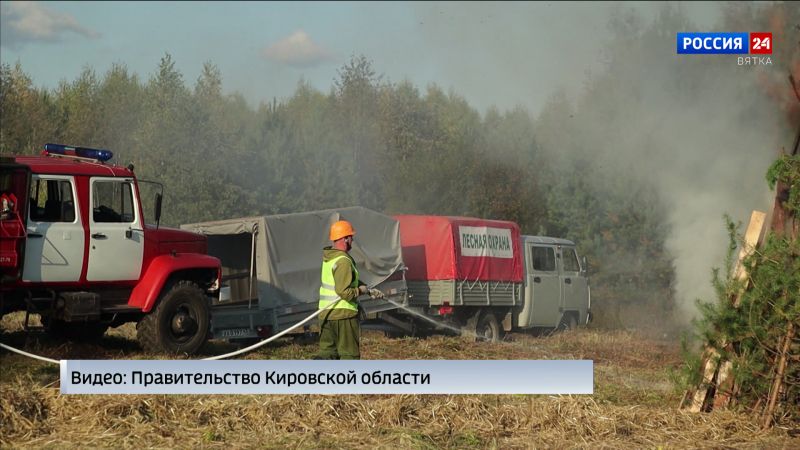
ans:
(179, 323)
(74, 331)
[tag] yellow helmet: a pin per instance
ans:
(341, 229)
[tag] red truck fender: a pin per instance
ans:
(146, 292)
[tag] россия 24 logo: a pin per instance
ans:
(725, 43)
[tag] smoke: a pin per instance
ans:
(705, 150)
(700, 130)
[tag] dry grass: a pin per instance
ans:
(40, 417)
(633, 406)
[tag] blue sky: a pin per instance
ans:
(500, 54)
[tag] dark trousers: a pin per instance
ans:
(339, 339)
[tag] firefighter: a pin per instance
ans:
(340, 332)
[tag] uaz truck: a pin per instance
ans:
(75, 249)
(484, 278)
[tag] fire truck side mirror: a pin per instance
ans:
(158, 208)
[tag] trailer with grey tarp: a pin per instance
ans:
(271, 267)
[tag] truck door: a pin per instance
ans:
(116, 235)
(545, 286)
(574, 283)
(54, 246)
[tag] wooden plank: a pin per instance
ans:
(701, 394)
(752, 238)
(725, 385)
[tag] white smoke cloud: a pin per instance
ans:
(297, 50)
(25, 22)
(699, 131)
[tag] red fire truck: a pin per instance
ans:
(76, 249)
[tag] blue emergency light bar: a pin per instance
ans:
(83, 152)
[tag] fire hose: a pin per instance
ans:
(210, 358)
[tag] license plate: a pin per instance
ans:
(235, 332)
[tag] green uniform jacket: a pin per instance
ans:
(343, 276)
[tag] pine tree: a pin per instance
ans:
(768, 310)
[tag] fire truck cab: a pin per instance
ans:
(77, 249)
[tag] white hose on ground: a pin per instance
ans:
(210, 358)
(29, 355)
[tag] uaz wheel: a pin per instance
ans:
(488, 329)
(179, 323)
(483, 327)
(568, 322)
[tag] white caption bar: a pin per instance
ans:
(327, 377)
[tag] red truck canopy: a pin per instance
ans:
(461, 248)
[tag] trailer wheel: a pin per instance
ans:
(180, 322)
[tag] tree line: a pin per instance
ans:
(384, 146)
